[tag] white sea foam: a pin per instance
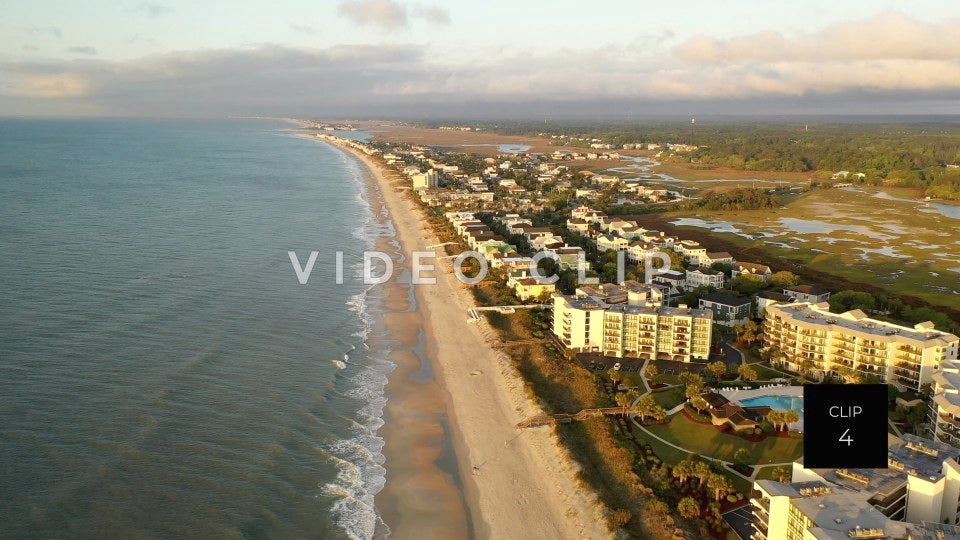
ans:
(359, 458)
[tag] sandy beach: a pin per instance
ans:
(515, 483)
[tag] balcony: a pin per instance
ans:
(944, 438)
(910, 366)
(948, 419)
(844, 347)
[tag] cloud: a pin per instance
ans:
(152, 9)
(385, 13)
(885, 36)
(84, 49)
(432, 14)
(53, 31)
(303, 29)
(735, 73)
(390, 14)
(268, 78)
(30, 48)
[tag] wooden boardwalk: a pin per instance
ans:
(544, 419)
(497, 344)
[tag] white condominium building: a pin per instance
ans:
(819, 511)
(921, 481)
(946, 403)
(427, 180)
(808, 337)
(637, 330)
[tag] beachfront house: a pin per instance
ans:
(578, 225)
(717, 257)
(692, 250)
(761, 271)
(705, 277)
(807, 293)
(727, 310)
(530, 288)
(606, 242)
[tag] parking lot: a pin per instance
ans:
(741, 521)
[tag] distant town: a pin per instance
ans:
(699, 367)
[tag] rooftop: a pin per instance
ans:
(907, 456)
(808, 289)
(726, 299)
(835, 512)
(857, 322)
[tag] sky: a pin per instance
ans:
(412, 58)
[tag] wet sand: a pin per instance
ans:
(451, 387)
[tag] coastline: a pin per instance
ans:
(514, 483)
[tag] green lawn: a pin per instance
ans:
(670, 398)
(766, 473)
(667, 453)
(706, 440)
(633, 379)
(764, 373)
(667, 378)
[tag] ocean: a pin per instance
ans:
(162, 371)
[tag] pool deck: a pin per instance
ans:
(739, 395)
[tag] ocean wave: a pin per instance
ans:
(359, 458)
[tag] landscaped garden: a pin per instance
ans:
(709, 441)
(670, 397)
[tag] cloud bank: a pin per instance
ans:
(390, 14)
(885, 61)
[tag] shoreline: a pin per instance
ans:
(515, 483)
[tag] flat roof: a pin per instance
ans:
(855, 321)
(588, 303)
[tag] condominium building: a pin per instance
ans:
(639, 330)
(808, 337)
(946, 403)
(921, 481)
(819, 511)
(427, 180)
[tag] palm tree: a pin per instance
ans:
(790, 416)
(615, 376)
(688, 378)
(805, 366)
(775, 417)
(717, 369)
(688, 508)
(646, 406)
(651, 371)
(658, 413)
(782, 474)
(747, 372)
(699, 403)
(701, 470)
(720, 485)
(683, 470)
(623, 399)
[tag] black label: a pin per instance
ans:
(845, 425)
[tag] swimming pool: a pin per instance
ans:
(775, 402)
